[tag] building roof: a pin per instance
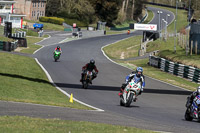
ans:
(7, 2)
(13, 15)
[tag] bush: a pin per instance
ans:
(53, 20)
(78, 23)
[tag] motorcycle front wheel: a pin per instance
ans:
(187, 116)
(129, 100)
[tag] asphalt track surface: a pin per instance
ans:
(161, 107)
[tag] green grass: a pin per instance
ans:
(150, 17)
(124, 49)
(19, 124)
(22, 80)
(31, 45)
(2, 38)
(48, 26)
(114, 51)
(1, 30)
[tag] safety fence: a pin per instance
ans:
(19, 34)
(8, 46)
(188, 72)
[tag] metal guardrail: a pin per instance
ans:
(188, 72)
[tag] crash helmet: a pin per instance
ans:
(198, 90)
(92, 61)
(139, 71)
(58, 47)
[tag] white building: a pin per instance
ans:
(7, 14)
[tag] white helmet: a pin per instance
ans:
(198, 90)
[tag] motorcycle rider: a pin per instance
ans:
(58, 48)
(89, 67)
(138, 77)
(192, 96)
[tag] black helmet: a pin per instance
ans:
(58, 47)
(92, 61)
(139, 69)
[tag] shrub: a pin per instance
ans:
(53, 20)
(78, 23)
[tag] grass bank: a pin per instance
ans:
(124, 49)
(22, 80)
(31, 46)
(37, 125)
(113, 51)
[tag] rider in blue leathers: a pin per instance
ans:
(138, 77)
(192, 96)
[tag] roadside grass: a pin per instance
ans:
(10, 124)
(48, 26)
(149, 18)
(124, 49)
(113, 51)
(31, 46)
(1, 30)
(22, 80)
(2, 38)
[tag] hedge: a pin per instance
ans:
(78, 23)
(53, 20)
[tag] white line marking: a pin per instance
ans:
(38, 49)
(64, 92)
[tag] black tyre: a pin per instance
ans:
(121, 102)
(85, 85)
(187, 116)
(130, 99)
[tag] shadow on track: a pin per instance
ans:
(114, 88)
(26, 78)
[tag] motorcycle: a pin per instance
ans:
(193, 111)
(130, 92)
(57, 54)
(87, 79)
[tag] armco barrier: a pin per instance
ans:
(188, 72)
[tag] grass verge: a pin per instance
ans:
(113, 51)
(37, 125)
(22, 80)
(150, 17)
(124, 49)
(31, 45)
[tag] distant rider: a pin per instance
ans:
(192, 96)
(58, 49)
(137, 76)
(90, 67)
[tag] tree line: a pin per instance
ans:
(90, 11)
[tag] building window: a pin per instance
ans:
(32, 13)
(8, 7)
(1, 6)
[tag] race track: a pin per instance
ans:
(161, 106)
